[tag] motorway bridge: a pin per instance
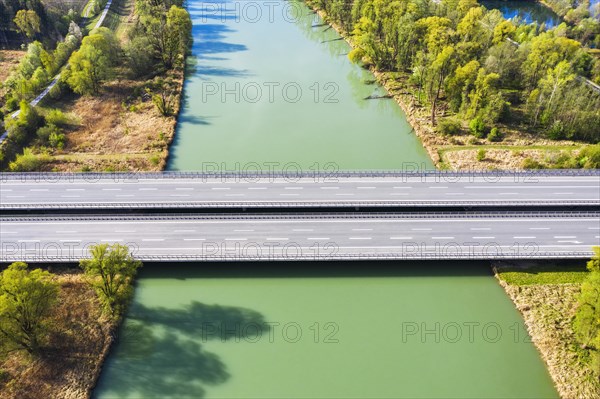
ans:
(543, 224)
(354, 189)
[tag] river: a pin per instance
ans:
(309, 330)
(527, 11)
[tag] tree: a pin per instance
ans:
(93, 62)
(28, 22)
(587, 319)
(26, 301)
(110, 272)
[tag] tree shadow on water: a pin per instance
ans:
(159, 351)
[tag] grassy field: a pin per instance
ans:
(551, 273)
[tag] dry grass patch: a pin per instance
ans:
(120, 130)
(9, 59)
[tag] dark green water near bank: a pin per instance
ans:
(308, 330)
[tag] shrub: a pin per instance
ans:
(477, 127)
(556, 131)
(529, 163)
(58, 118)
(45, 132)
(495, 135)
(589, 157)
(28, 161)
(449, 126)
(57, 140)
(481, 154)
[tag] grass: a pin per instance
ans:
(541, 274)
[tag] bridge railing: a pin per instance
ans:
(248, 175)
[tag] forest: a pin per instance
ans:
(469, 62)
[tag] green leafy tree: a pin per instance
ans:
(93, 63)
(110, 272)
(28, 22)
(26, 302)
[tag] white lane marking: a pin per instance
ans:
(147, 189)
(442, 238)
(362, 229)
(236, 239)
(6, 190)
(184, 188)
(509, 193)
(194, 239)
(39, 189)
(111, 189)
(330, 188)
(400, 238)
(111, 240)
(9, 232)
(398, 193)
(70, 196)
(75, 189)
(483, 237)
(66, 231)
(480, 228)
(401, 187)
(235, 195)
(438, 186)
(361, 238)
(184, 231)
(422, 229)
(524, 237)
(124, 195)
(289, 194)
(293, 188)
(539, 228)
(277, 238)
(179, 195)
(318, 238)
(124, 231)
(15, 196)
(365, 188)
(303, 229)
(593, 228)
(71, 240)
(565, 236)
(563, 193)
(345, 194)
(455, 193)
(220, 188)
(243, 230)
(257, 188)
(570, 241)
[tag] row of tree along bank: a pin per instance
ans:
(136, 76)
(56, 328)
(459, 69)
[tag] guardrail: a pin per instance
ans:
(132, 176)
(295, 204)
(335, 257)
(311, 216)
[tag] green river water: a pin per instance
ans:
(309, 330)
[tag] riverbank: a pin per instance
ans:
(80, 340)
(119, 128)
(461, 152)
(547, 300)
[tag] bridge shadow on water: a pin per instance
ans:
(159, 351)
(303, 269)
